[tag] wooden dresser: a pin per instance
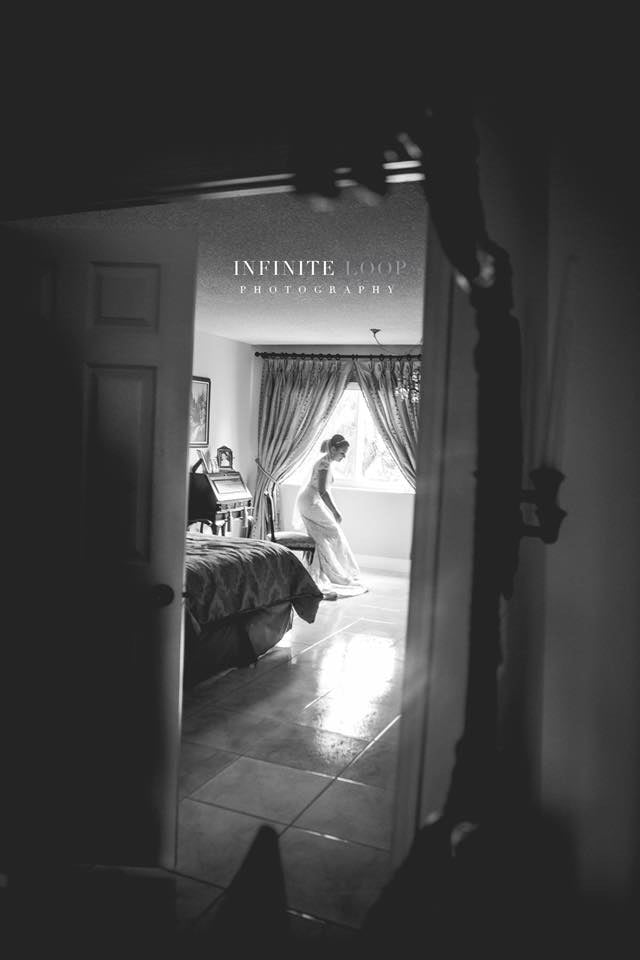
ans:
(223, 499)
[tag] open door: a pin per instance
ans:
(435, 674)
(101, 338)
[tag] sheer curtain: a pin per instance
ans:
(297, 397)
(395, 416)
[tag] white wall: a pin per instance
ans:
(230, 365)
(591, 715)
(571, 678)
(377, 525)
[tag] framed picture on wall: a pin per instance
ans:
(199, 414)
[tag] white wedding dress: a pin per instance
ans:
(334, 565)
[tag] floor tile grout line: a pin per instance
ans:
(328, 637)
(286, 826)
(224, 704)
(274, 763)
(331, 836)
(259, 716)
(246, 709)
(317, 797)
(196, 743)
(369, 745)
(269, 821)
(304, 769)
(331, 781)
(338, 775)
(382, 732)
(192, 923)
(247, 683)
(316, 919)
(332, 778)
(291, 911)
(189, 876)
(279, 689)
(305, 726)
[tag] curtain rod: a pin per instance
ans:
(342, 356)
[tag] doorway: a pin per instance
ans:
(235, 373)
(429, 722)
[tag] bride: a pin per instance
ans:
(333, 564)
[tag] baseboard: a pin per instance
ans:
(385, 564)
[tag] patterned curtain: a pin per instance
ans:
(297, 397)
(386, 384)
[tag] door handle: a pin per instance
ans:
(161, 595)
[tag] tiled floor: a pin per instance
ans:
(305, 742)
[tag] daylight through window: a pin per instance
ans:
(368, 463)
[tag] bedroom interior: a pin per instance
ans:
(373, 628)
(327, 695)
(557, 190)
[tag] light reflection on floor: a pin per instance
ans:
(319, 768)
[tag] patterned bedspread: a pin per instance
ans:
(231, 575)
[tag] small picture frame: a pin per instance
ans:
(210, 465)
(199, 411)
(224, 456)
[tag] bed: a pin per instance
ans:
(240, 598)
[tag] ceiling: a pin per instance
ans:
(388, 238)
(372, 278)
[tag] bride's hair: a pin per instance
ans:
(336, 441)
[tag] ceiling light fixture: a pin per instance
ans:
(409, 374)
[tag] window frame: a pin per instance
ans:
(358, 483)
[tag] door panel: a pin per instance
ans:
(121, 404)
(106, 319)
(125, 294)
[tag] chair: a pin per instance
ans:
(288, 538)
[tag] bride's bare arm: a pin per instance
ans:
(326, 496)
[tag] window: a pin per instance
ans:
(368, 462)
